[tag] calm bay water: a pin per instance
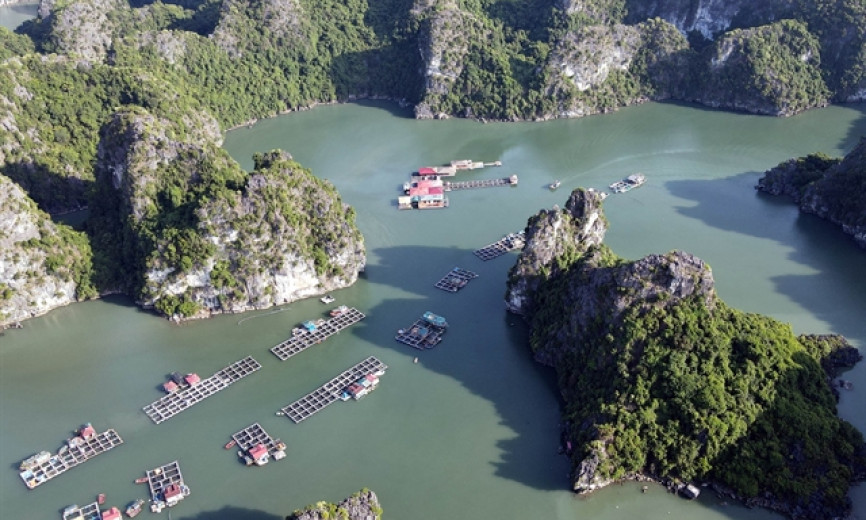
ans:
(470, 431)
(11, 16)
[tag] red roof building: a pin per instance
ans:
(259, 453)
(170, 387)
(87, 431)
(111, 514)
(192, 379)
(171, 491)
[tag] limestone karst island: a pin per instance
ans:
(638, 291)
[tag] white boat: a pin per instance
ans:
(327, 299)
(555, 184)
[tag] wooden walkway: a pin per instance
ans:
(70, 456)
(88, 512)
(172, 404)
(315, 401)
(302, 339)
(509, 242)
(480, 183)
(254, 434)
(421, 335)
(455, 280)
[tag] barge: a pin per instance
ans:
(509, 242)
(629, 183)
(314, 332)
(172, 404)
(167, 487)
(257, 447)
(86, 444)
(455, 280)
(425, 333)
(330, 392)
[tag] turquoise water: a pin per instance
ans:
(471, 429)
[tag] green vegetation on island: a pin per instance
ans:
(832, 188)
(662, 379)
(363, 505)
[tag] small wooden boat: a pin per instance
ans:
(134, 508)
(100, 498)
(231, 444)
(141, 480)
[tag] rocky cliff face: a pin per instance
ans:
(554, 238)
(831, 189)
(280, 21)
(202, 236)
(776, 69)
(708, 17)
(363, 505)
(42, 265)
(81, 29)
(444, 42)
(587, 56)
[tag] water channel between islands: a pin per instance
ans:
(470, 430)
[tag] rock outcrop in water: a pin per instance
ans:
(662, 380)
(43, 265)
(363, 505)
(199, 235)
(833, 189)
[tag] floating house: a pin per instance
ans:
(177, 382)
(111, 514)
(172, 494)
(259, 454)
(360, 388)
(424, 186)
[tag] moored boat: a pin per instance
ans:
(134, 508)
(231, 444)
(100, 498)
(339, 311)
(141, 480)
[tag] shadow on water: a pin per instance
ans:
(485, 350)
(232, 513)
(832, 256)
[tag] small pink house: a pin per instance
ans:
(111, 514)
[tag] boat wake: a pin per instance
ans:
(276, 311)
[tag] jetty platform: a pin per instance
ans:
(631, 182)
(318, 399)
(166, 486)
(509, 242)
(455, 280)
(44, 466)
(253, 435)
(303, 339)
(425, 333)
(480, 183)
(172, 404)
(87, 512)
